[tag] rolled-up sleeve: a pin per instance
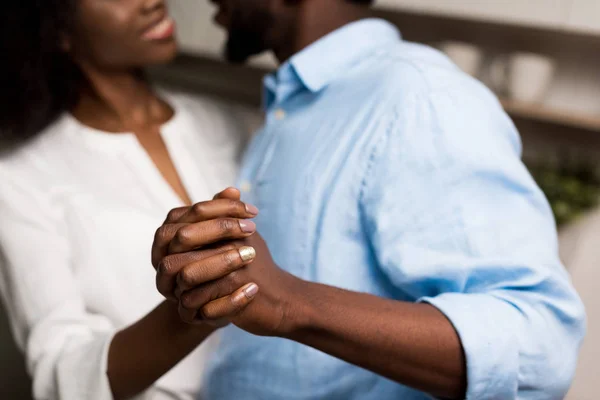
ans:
(65, 345)
(455, 220)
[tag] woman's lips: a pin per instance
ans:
(162, 30)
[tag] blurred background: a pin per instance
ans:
(541, 57)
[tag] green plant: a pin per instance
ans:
(571, 188)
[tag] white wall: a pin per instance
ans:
(529, 12)
(572, 15)
(584, 15)
(195, 29)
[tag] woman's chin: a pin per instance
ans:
(164, 55)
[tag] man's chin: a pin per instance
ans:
(234, 58)
(240, 49)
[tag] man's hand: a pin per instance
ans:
(272, 313)
(178, 241)
(202, 255)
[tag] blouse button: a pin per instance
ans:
(279, 114)
(246, 187)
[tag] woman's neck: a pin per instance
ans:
(119, 101)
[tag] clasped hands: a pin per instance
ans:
(210, 259)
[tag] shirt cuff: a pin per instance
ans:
(488, 329)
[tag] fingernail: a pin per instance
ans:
(247, 253)
(247, 226)
(251, 209)
(251, 290)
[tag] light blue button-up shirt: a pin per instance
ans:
(382, 168)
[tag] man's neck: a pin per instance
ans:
(317, 20)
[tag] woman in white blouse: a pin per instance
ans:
(95, 161)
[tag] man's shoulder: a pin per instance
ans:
(427, 98)
(407, 68)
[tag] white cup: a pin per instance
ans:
(466, 56)
(524, 77)
(531, 77)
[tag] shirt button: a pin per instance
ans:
(246, 187)
(279, 114)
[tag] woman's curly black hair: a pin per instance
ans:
(38, 80)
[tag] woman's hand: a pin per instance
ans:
(177, 252)
(209, 257)
(203, 254)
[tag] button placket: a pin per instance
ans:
(276, 115)
(279, 114)
(245, 187)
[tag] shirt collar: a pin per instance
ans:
(318, 64)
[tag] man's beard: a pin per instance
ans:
(242, 45)
(246, 39)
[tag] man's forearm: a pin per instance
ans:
(413, 344)
(143, 352)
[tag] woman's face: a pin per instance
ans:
(118, 34)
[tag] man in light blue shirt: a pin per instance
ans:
(412, 253)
